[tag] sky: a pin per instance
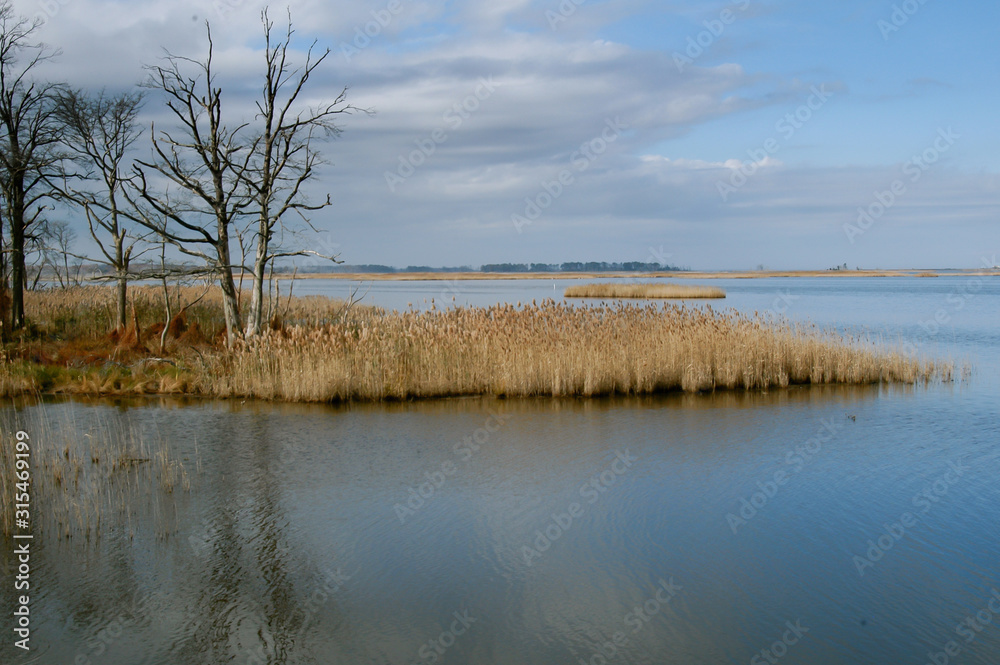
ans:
(712, 135)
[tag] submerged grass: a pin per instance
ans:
(321, 351)
(673, 291)
(7, 459)
(81, 481)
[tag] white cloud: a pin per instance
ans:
(556, 90)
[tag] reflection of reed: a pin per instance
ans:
(7, 471)
(82, 481)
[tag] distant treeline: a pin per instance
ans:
(374, 268)
(576, 266)
(572, 266)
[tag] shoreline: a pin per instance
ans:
(736, 274)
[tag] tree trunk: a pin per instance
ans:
(17, 272)
(122, 299)
(230, 306)
(230, 303)
(255, 318)
(4, 297)
(122, 269)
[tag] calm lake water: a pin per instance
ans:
(808, 525)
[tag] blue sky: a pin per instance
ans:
(539, 89)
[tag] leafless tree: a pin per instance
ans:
(205, 162)
(58, 239)
(99, 132)
(284, 154)
(29, 141)
(37, 256)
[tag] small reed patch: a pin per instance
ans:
(651, 291)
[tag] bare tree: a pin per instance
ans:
(58, 239)
(205, 161)
(37, 255)
(284, 154)
(99, 132)
(29, 141)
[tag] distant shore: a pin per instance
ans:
(736, 274)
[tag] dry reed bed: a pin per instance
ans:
(88, 311)
(71, 346)
(549, 349)
(612, 290)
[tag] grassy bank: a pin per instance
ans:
(321, 351)
(648, 291)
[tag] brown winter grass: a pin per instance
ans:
(320, 351)
(71, 344)
(88, 312)
(550, 349)
(666, 291)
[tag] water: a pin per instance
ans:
(825, 525)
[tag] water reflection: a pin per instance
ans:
(290, 546)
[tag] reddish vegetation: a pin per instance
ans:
(121, 345)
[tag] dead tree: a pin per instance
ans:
(284, 154)
(57, 240)
(30, 156)
(99, 133)
(205, 162)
